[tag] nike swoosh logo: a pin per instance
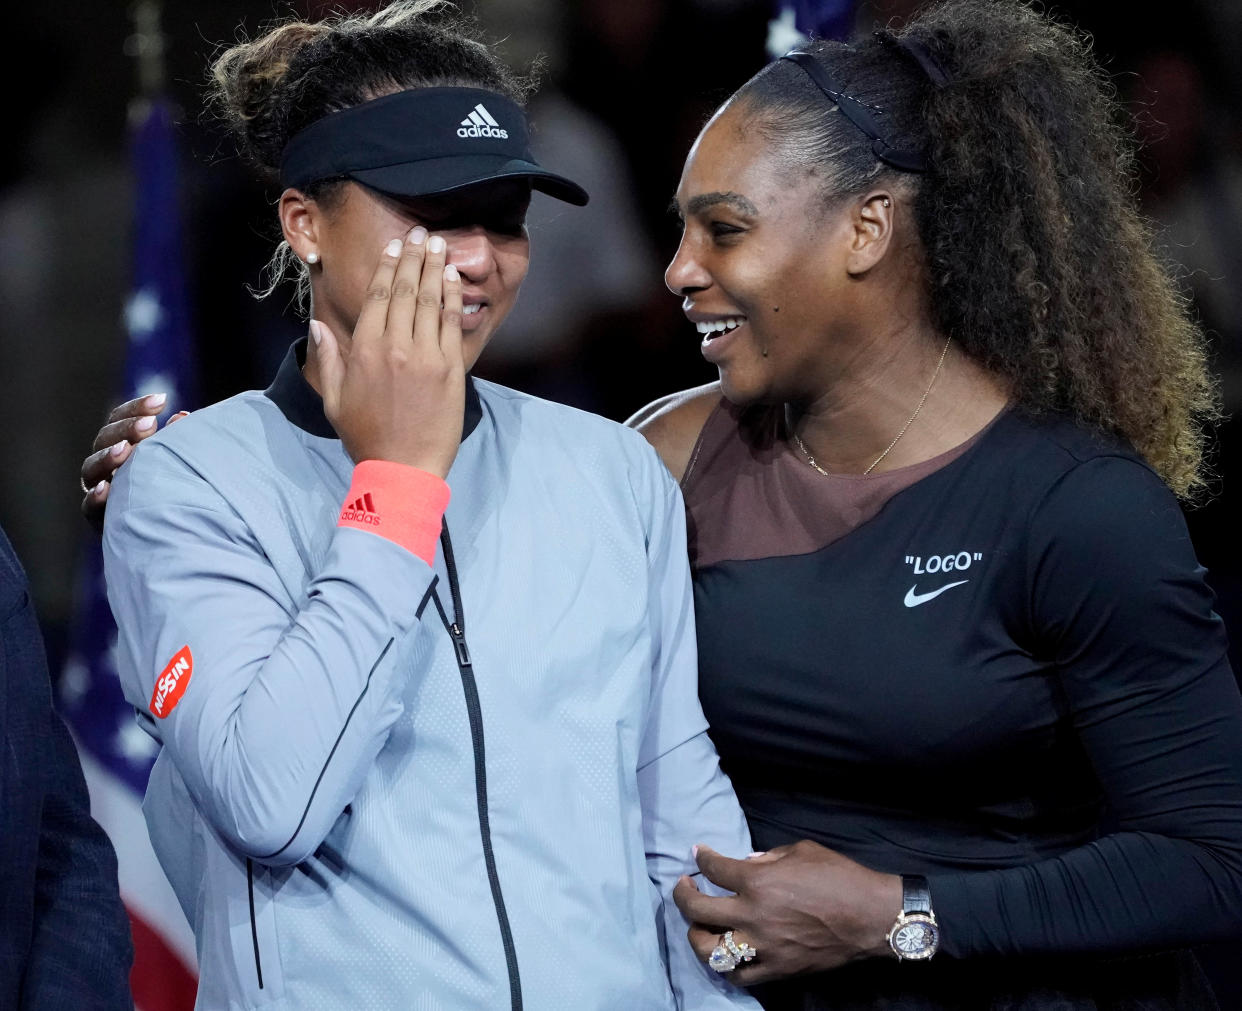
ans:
(914, 599)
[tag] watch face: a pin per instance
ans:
(915, 939)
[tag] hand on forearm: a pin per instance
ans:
(804, 908)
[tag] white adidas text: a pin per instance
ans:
(481, 123)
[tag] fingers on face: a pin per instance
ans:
(329, 362)
(450, 323)
(407, 290)
(373, 317)
(431, 294)
(405, 286)
(413, 293)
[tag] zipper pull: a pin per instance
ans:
(459, 644)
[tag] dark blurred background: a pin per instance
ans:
(626, 85)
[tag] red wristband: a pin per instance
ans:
(400, 503)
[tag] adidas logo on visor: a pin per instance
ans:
(481, 123)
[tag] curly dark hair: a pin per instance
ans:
(268, 89)
(1038, 262)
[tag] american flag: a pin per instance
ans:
(116, 753)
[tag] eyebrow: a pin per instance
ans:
(701, 201)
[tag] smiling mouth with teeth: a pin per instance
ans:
(711, 329)
(470, 310)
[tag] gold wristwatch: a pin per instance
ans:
(916, 935)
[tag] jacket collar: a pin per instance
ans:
(303, 407)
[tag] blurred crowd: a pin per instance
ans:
(625, 87)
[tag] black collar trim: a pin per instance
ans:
(303, 407)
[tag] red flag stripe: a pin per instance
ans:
(159, 979)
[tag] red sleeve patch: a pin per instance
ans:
(172, 682)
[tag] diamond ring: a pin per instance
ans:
(729, 954)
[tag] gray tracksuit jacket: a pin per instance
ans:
(386, 784)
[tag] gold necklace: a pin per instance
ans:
(922, 400)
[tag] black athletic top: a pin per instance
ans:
(1001, 670)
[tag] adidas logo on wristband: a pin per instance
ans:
(361, 511)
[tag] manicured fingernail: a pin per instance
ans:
(757, 853)
(436, 244)
(144, 424)
(155, 400)
(418, 235)
(117, 448)
(450, 273)
(393, 248)
(99, 488)
(316, 336)
(694, 851)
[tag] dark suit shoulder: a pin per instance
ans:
(13, 591)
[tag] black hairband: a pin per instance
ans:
(859, 114)
(921, 55)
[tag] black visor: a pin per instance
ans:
(423, 142)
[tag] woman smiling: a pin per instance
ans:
(955, 649)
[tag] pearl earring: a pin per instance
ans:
(312, 258)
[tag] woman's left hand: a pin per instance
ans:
(803, 908)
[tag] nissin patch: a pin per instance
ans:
(172, 682)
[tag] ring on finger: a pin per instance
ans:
(721, 960)
(82, 485)
(729, 954)
(743, 952)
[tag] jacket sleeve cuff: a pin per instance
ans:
(399, 503)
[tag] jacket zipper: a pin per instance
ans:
(457, 631)
(254, 926)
